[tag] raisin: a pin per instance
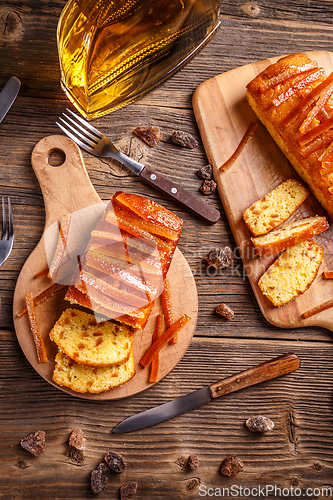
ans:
(76, 445)
(184, 139)
(181, 462)
(193, 483)
(115, 461)
(208, 187)
(150, 135)
(231, 466)
(100, 478)
(220, 257)
(206, 172)
(128, 490)
(34, 443)
(225, 311)
(259, 424)
(193, 462)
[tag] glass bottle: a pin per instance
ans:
(112, 52)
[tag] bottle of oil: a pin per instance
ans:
(113, 51)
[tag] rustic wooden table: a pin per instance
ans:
(297, 454)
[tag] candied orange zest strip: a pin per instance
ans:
(286, 75)
(61, 247)
(38, 340)
(41, 273)
(316, 132)
(42, 296)
(149, 210)
(326, 160)
(163, 340)
(318, 309)
(298, 85)
(323, 99)
(245, 139)
(167, 308)
(316, 93)
(124, 214)
(320, 142)
(328, 275)
(155, 364)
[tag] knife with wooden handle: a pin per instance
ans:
(282, 365)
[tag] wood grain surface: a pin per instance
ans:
(298, 452)
(223, 115)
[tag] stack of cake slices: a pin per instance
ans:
(122, 271)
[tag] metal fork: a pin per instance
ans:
(6, 242)
(92, 140)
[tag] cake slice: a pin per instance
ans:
(90, 343)
(289, 235)
(292, 273)
(275, 207)
(81, 378)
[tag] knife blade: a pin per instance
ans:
(8, 95)
(268, 370)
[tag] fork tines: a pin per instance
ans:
(7, 233)
(7, 238)
(79, 130)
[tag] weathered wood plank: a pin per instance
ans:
(296, 453)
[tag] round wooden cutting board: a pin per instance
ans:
(68, 189)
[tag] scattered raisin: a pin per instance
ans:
(181, 462)
(193, 483)
(259, 424)
(128, 490)
(193, 462)
(231, 466)
(76, 445)
(34, 443)
(150, 135)
(206, 172)
(100, 478)
(225, 311)
(208, 187)
(220, 257)
(115, 461)
(77, 439)
(184, 139)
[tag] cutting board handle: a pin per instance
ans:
(66, 187)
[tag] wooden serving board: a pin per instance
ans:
(67, 189)
(223, 116)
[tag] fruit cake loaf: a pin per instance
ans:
(81, 378)
(289, 235)
(293, 100)
(90, 343)
(127, 259)
(292, 273)
(275, 207)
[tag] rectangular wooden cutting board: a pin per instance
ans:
(223, 116)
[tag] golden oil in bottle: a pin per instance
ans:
(111, 52)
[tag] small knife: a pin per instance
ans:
(8, 95)
(274, 368)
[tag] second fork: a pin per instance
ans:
(7, 237)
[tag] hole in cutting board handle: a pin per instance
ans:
(56, 158)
